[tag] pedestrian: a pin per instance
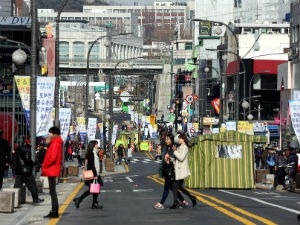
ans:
(182, 171)
(101, 154)
(24, 170)
(271, 159)
(120, 152)
(158, 152)
(5, 158)
(280, 173)
(40, 155)
(51, 167)
(93, 163)
(166, 170)
(292, 158)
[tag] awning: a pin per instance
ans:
(266, 66)
(232, 68)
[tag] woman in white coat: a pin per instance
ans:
(182, 170)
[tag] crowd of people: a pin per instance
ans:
(276, 161)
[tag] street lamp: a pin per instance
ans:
(110, 107)
(247, 105)
(237, 54)
(107, 44)
(224, 57)
(19, 57)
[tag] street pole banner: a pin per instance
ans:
(65, 119)
(44, 104)
(295, 116)
(23, 85)
(44, 101)
(91, 129)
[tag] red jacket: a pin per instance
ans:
(53, 158)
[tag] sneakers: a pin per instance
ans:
(158, 206)
(183, 204)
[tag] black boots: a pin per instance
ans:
(52, 215)
(95, 205)
(77, 202)
(194, 201)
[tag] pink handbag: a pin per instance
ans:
(95, 187)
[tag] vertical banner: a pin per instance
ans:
(44, 101)
(295, 116)
(23, 85)
(80, 125)
(44, 104)
(65, 119)
(91, 129)
(114, 134)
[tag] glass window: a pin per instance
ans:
(94, 54)
(188, 46)
(63, 50)
(78, 50)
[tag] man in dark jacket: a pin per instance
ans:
(24, 171)
(5, 158)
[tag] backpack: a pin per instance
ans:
(271, 160)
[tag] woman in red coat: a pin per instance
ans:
(51, 167)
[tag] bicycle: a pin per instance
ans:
(289, 183)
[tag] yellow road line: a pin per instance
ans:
(66, 203)
(201, 196)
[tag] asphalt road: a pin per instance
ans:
(128, 198)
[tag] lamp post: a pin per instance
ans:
(57, 75)
(87, 79)
(237, 64)
(19, 57)
(110, 104)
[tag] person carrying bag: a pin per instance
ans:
(92, 163)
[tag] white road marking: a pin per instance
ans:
(262, 202)
(129, 179)
(142, 190)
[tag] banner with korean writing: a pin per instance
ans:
(64, 119)
(23, 85)
(295, 116)
(80, 125)
(91, 129)
(44, 101)
(44, 104)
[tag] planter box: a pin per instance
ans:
(7, 199)
(73, 171)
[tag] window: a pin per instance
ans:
(63, 50)
(94, 54)
(78, 50)
(188, 46)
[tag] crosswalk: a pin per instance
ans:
(144, 160)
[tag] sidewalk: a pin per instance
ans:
(29, 213)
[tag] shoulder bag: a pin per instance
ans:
(87, 174)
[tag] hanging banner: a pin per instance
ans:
(91, 129)
(65, 119)
(23, 85)
(44, 101)
(80, 125)
(295, 116)
(44, 104)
